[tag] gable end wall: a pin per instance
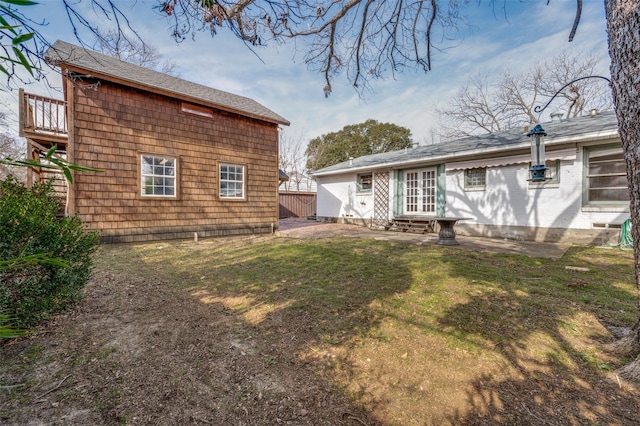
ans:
(114, 124)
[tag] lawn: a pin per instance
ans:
(266, 330)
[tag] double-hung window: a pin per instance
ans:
(158, 176)
(232, 181)
(364, 183)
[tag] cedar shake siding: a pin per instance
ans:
(209, 158)
(113, 125)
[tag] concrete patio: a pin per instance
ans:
(303, 228)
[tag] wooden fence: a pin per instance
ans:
(297, 204)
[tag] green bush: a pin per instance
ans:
(34, 284)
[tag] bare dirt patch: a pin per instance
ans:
(139, 351)
(162, 341)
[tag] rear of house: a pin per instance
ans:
(485, 179)
(177, 158)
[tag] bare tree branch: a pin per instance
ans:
(481, 106)
(363, 39)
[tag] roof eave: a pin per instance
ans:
(589, 137)
(169, 93)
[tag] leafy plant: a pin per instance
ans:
(52, 162)
(7, 330)
(45, 260)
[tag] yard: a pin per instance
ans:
(335, 331)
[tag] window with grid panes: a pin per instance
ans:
(232, 180)
(475, 178)
(158, 176)
(364, 183)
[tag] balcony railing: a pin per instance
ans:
(41, 116)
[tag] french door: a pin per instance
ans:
(420, 191)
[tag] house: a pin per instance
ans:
(177, 158)
(484, 178)
(299, 182)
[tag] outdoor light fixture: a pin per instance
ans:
(538, 168)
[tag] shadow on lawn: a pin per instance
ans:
(563, 380)
(297, 296)
(320, 292)
(294, 299)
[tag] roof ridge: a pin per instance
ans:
(62, 52)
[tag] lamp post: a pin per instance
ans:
(538, 168)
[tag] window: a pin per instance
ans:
(364, 183)
(232, 181)
(475, 178)
(552, 174)
(420, 191)
(196, 109)
(605, 176)
(158, 176)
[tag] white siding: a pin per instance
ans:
(337, 198)
(509, 199)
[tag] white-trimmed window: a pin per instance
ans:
(475, 179)
(364, 183)
(605, 176)
(158, 176)
(552, 174)
(232, 181)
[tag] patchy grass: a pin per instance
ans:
(412, 334)
(395, 324)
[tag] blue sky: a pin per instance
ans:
(281, 81)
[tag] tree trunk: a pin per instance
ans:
(623, 27)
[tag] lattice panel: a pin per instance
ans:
(381, 199)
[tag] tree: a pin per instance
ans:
(130, 48)
(481, 106)
(623, 27)
(22, 45)
(364, 38)
(10, 146)
(291, 159)
(356, 140)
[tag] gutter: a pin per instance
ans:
(588, 137)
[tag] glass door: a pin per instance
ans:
(420, 191)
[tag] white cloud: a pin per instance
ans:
(532, 31)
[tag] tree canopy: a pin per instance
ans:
(356, 140)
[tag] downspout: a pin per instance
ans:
(69, 97)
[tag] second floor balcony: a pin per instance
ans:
(43, 119)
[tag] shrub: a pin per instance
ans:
(31, 291)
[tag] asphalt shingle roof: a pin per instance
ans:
(557, 131)
(78, 57)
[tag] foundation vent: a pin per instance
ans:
(607, 225)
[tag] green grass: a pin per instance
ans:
(349, 285)
(425, 329)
